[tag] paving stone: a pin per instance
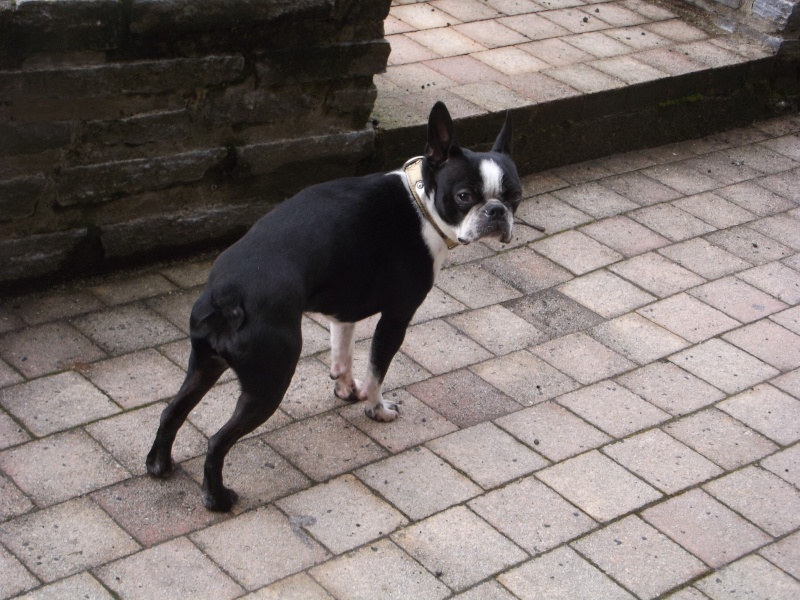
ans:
(129, 289)
(154, 510)
(657, 274)
(789, 318)
(585, 78)
(745, 242)
(126, 328)
(418, 482)
(720, 438)
(491, 590)
(595, 200)
(628, 69)
(524, 377)
(577, 252)
(16, 578)
(662, 461)
(605, 293)
(533, 27)
(689, 318)
(705, 259)
(43, 349)
(324, 446)
(341, 514)
(551, 213)
(11, 433)
(556, 52)
(296, 587)
(768, 411)
(575, 21)
(441, 348)
(788, 145)
(176, 568)
(56, 403)
(216, 408)
(190, 274)
(352, 576)
(469, 10)
(136, 379)
(670, 388)
(491, 97)
(776, 280)
(474, 286)
(310, 392)
(755, 198)
(554, 313)
(639, 557)
(526, 270)
(532, 515)
(176, 307)
(497, 329)
(598, 44)
(723, 365)
(239, 546)
(638, 185)
(715, 210)
(784, 184)
(86, 538)
(679, 176)
(511, 60)
(582, 358)
(38, 309)
(315, 338)
(613, 408)
(705, 527)
(761, 497)
(12, 501)
(749, 577)
(460, 546)
(553, 431)
(488, 455)
(81, 585)
(9, 376)
(671, 222)
(60, 467)
(437, 304)
(561, 573)
(129, 436)
(785, 554)
(638, 38)
(445, 42)
(785, 464)
(582, 172)
(256, 472)
(770, 342)
(598, 486)
(463, 398)
(419, 422)
(637, 338)
(423, 17)
(625, 235)
(761, 158)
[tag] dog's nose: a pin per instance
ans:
(494, 210)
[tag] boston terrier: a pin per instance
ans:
(347, 249)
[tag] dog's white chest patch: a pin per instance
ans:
(492, 176)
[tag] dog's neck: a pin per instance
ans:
(413, 171)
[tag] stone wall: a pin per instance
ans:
(128, 125)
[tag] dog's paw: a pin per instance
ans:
(220, 502)
(348, 391)
(160, 467)
(384, 412)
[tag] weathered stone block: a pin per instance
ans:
(140, 77)
(181, 16)
(139, 129)
(32, 138)
(103, 182)
(777, 12)
(18, 196)
(38, 255)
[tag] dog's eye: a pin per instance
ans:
(464, 197)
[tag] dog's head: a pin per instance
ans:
(474, 193)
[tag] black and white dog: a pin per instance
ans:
(348, 249)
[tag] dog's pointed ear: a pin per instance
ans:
(503, 142)
(441, 140)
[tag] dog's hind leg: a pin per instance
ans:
(342, 348)
(265, 376)
(205, 368)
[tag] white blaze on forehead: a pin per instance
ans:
(492, 176)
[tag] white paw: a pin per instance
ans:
(349, 390)
(383, 412)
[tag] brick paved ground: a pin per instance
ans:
(607, 410)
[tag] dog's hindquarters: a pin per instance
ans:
(262, 352)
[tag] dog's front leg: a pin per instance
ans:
(342, 347)
(388, 338)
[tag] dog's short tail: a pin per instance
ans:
(218, 314)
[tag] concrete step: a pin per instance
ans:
(583, 79)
